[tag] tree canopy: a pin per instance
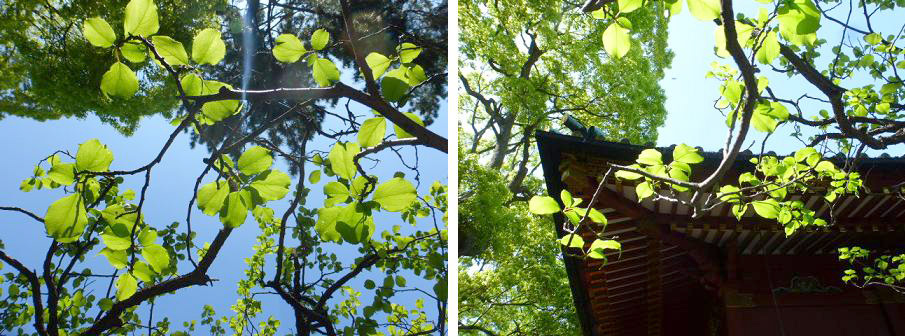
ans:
(385, 230)
(524, 66)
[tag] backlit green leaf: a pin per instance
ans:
(616, 40)
(394, 86)
(650, 157)
(372, 132)
(211, 197)
(171, 50)
(644, 190)
(543, 205)
(62, 173)
(134, 52)
(627, 6)
(408, 52)
(217, 110)
(118, 258)
(769, 50)
(126, 286)
(288, 49)
(686, 154)
(378, 64)
(341, 159)
(324, 72)
(234, 210)
(272, 185)
(319, 39)
(141, 18)
(572, 240)
(255, 160)
(93, 156)
(208, 47)
(98, 32)
(767, 208)
(395, 194)
(66, 219)
(705, 10)
(157, 256)
(119, 81)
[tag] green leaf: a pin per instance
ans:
(211, 197)
(117, 258)
(119, 81)
(566, 197)
(628, 175)
(415, 75)
(134, 52)
(337, 190)
(272, 185)
(599, 247)
(627, 6)
(401, 133)
(62, 173)
(674, 6)
(543, 205)
(616, 40)
(234, 210)
(395, 85)
(157, 256)
(255, 160)
(217, 110)
(372, 132)
(314, 177)
(408, 52)
(395, 195)
(319, 39)
(171, 50)
(767, 209)
(93, 156)
(141, 18)
(378, 64)
(650, 157)
(369, 284)
(572, 240)
(644, 190)
(324, 72)
(341, 159)
(147, 236)
(799, 21)
(98, 32)
(326, 224)
(143, 272)
(597, 217)
(686, 154)
(66, 218)
(354, 226)
(769, 50)
(117, 237)
(704, 10)
(208, 47)
(288, 49)
(192, 84)
(873, 38)
(126, 286)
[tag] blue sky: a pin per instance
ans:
(691, 117)
(28, 141)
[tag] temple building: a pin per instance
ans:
(716, 275)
